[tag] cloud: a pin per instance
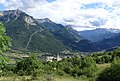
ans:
(98, 22)
(81, 13)
(2, 1)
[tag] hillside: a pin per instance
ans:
(68, 36)
(27, 35)
(110, 42)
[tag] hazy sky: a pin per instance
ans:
(84, 14)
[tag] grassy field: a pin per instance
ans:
(25, 78)
(69, 79)
(101, 67)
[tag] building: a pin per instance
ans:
(58, 57)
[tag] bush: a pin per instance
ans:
(89, 67)
(78, 66)
(111, 73)
(28, 66)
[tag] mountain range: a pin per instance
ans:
(104, 38)
(30, 34)
(99, 34)
(43, 35)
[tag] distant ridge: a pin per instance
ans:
(99, 34)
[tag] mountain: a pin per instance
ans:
(109, 43)
(68, 36)
(28, 35)
(50, 25)
(73, 31)
(98, 34)
(44, 35)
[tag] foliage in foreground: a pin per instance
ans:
(111, 73)
(74, 67)
(27, 66)
(5, 42)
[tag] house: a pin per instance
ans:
(58, 57)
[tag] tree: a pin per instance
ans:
(89, 67)
(5, 43)
(28, 66)
(78, 66)
(112, 73)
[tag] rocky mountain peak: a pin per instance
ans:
(114, 30)
(11, 15)
(13, 12)
(17, 15)
(44, 20)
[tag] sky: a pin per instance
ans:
(81, 14)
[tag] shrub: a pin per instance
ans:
(28, 66)
(111, 73)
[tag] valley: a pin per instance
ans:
(41, 50)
